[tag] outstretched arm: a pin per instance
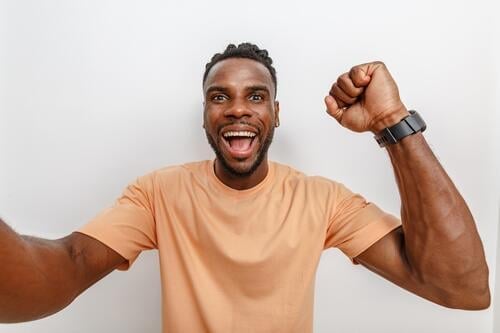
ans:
(437, 253)
(39, 277)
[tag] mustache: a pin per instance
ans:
(240, 122)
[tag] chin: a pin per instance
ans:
(241, 168)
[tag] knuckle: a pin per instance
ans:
(335, 88)
(343, 80)
(355, 73)
(332, 89)
(343, 77)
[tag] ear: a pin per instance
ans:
(276, 113)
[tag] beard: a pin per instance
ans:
(261, 154)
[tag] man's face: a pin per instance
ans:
(240, 113)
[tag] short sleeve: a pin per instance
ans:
(356, 224)
(128, 227)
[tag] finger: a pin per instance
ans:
(346, 84)
(359, 76)
(333, 108)
(342, 96)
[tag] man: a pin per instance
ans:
(239, 238)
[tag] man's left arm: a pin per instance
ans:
(437, 252)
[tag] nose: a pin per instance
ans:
(237, 109)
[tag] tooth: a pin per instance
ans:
(239, 133)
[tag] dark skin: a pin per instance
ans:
(41, 277)
(436, 254)
(236, 93)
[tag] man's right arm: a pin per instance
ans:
(40, 277)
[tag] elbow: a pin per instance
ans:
(472, 294)
(469, 301)
(483, 303)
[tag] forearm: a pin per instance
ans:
(34, 277)
(442, 246)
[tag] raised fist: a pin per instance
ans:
(366, 99)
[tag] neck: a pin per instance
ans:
(241, 182)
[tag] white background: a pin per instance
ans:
(96, 93)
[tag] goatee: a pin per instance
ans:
(261, 154)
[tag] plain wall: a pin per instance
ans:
(96, 93)
(496, 324)
(496, 303)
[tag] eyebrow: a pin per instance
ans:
(258, 87)
(250, 88)
(216, 88)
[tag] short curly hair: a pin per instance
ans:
(244, 50)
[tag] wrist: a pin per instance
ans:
(389, 119)
(408, 126)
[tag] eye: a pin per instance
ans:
(218, 98)
(256, 97)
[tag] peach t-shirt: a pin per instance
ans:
(238, 261)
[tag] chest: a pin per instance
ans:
(254, 245)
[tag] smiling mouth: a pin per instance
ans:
(239, 144)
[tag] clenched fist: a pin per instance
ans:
(366, 99)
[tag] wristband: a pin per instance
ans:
(407, 126)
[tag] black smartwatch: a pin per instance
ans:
(407, 126)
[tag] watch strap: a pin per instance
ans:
(407, 126)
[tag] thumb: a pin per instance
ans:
(333, 108)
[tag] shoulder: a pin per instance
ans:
(297, 178)
(174, 174)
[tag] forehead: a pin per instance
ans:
(238, 71)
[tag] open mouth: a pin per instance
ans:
(239, 144)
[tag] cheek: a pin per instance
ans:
(206, 123)
(210, 122)
(267, 117)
